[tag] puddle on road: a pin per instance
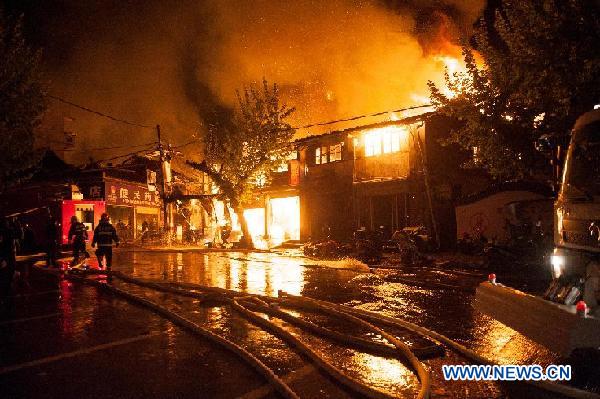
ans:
(448, 312)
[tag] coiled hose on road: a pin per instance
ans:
(373, 347)
(564, 390)
(280, 386)
(318, 360)
(556, 388)
(422, 373)
(349, 340)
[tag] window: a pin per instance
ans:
(285, 165)
(384, 141)
(324, 151)
(335, 152)
(321, 155)
(372, 144)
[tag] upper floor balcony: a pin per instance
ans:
(382, 167)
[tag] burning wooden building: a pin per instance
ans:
(387, 175)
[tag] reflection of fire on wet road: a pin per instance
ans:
(443, 310)
(380, 371)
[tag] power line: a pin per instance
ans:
(102, 114)
(98, 112)
(353, 118)
(185, 145)
(116, 147)
(124, 155)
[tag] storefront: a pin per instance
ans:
(132, 206)
(283, 222)
(276, 222)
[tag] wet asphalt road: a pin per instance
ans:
(67, 340)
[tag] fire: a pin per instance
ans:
(455, 67)
(327, 68)
(419, 99)
(281, 220)
(284, 219)
(451, 64)
(255, 218)
(331, 59)
(385, 140)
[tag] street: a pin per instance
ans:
(306, 199)
(67, 339)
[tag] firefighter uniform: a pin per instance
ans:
(104, 235)
(78, 233)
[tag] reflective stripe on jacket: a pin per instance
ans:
(105, 234)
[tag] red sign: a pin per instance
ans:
(127, 194)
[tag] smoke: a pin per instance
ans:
(336, 58)
(177, 63)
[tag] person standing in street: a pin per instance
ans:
(7, 260)
(104, 235)
(52, 238)
(18, 235)
(78, 234)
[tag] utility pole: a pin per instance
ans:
(165, 171)
(417, 139)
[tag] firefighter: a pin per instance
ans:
(52, 241)
(104, 235)
(78, 234)
(7, 260)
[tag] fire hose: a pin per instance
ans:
(348, 340)
(264, 307)
(323, 364)
(334, 372)
(564, 390)
(194, 328)
(422, 373)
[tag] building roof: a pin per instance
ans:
(405, 121)
(52, 168)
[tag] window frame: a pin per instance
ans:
(377, 143)
(335, 152)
